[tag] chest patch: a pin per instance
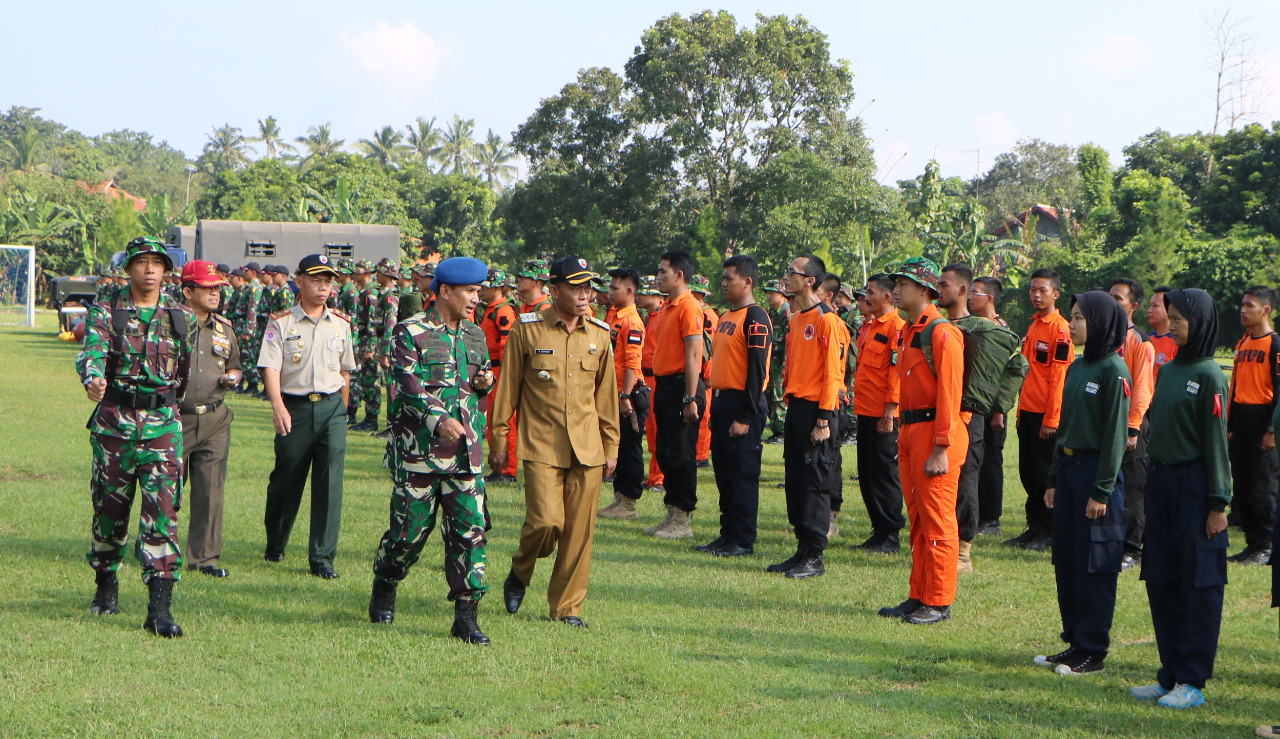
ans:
(1193, 387)
(544, 351)
(1091, 388)
(810, 331)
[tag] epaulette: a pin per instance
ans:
(222, 319)
(598, 322)
(282, 313)
(530, 317)
(339, 314)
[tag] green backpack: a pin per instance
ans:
(994, 366)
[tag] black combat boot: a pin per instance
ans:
(159, 621)
(382, 603)
(370, 423)
(464, 623)
(513, 592)
(106, 601)
(351, 414)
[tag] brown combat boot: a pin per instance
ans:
(652, 529)
(622, 507)
(833, 530)
(966, 557)
(679, 527)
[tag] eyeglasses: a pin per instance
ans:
(791, 272)
(977, 294)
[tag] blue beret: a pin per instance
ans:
(459, 271)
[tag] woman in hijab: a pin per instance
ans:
(1084, 490)
(1189, 487)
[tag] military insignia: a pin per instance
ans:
(282, 313)
(598, 322)
(592, 349)
(296, 357)
(293, 331)
(544, 351)
(270, 335)
(530, 317)
(810, 331)
(544, 375)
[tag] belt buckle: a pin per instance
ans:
(1068, 451)
(315, 397)
(201, 409)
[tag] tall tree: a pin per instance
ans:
(492, 160)
(458, 145)
(424, 140)
(319, 142)
(227, 149)
(269, 136)
(385, 147)
(25, 151)
(1035, 172)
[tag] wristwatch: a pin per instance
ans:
(686, 400)
(624, 396)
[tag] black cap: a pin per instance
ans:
(317, 264)
(252, 267)
(224, 269)
(573, 270)
(237, 272)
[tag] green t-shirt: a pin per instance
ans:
(1095, 417)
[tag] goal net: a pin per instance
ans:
(17, 286)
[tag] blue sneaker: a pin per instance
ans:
(1182, 696)
(1148, 692)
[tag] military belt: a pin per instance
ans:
(140, 401)
(309, 397)
(920, 415)
(200, 410)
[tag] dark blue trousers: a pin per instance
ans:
(1185, 573)
(736, 463)
(1086, 554)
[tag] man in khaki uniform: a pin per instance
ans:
(558, 371)
(206, 420)
(306, 362)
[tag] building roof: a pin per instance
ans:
(110, 189)
(1039, 210)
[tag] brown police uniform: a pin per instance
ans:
(206, 437)
(565, 388)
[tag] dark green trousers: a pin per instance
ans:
(316, 444)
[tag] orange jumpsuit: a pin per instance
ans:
(646, 363)
(931, 501)
(496, 324)
(711, 320)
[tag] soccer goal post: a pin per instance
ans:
(17, 285)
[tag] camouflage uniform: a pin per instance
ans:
(780, 319)
(433, 368)
(367, 378)
(137, 446)
(410, 299)
(224, 300)
(250, 336)
(388, 314)
(284, 299)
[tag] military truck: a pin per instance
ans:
(236, 243)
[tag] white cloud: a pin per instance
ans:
(401, 58)
(1116, 58)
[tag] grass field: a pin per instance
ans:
(680, 643)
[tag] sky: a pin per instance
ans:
(959, 82)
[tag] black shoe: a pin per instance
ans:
(1257, 557)
(382, 601)
(1021, 540)
(788, 563)
(351, 416)
(159, 620)
(498, 477)
(1039, 544)
(464, 623)
(513, 592)
(1130, 560)
(902, 609)
(324, 572)
(273, 556)
(1082, 664)
(212, 571)
(733, 550)
(881, 544)
(703, 463)
(370, 423)
(810, 566)
(106, 601)
(712, 545)
(574, 621)
(989, 528)
(925, 615)
(384, 434)
(1062, 657)
(775, 439)
(609, 479)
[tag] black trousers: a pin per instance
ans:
(317, 444)
(808, 472)
(970, 473)
(1035, 457)
(991, 477)
(1134, 469)
(1254, 474)
(628, 477)
(677, 441)
(841, 424)
(1086, 554)
(1185, 573)
(878, 476)
(736, 463)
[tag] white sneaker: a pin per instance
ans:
(1182, 696)
(1148, 692)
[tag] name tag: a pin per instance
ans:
(544, 351)
(1091, 388)
(1193, 387)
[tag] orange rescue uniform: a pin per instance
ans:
(1165, 350)
(876, 380)
(931, 501)
(815, 359)
(496, 324)
(1251, 379)
(1047, 347)
(650, 348)
(710, 320)
(628, 343)
(1139, 356)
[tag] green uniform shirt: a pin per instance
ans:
(1095, 417)
(1189, 424)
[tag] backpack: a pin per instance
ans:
(994, 366)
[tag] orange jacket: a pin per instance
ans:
(628, 343)
(815, 358)
(1140, 358)
(1047, 346)
(875, 380)
(497, 323)
(921, 389)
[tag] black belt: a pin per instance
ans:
(647, 372)
(1078, 452)
(495, 362)
(922, 415)
(309, 397)
(200, 410)
(140, 401)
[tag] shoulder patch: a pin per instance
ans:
(530, 317)
(598, 322)
(282, 313)
(340, 314)
(218, 317)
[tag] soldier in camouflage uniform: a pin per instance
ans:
(343, 300)
(224, 294)
(780, 316)
(247, 326)
(105, 289)
(283, 299)
(388, 314)
(441, 366)
(367, 379)
(410, 296)
(134, 365)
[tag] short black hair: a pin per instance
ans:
(883, 280)
(993, 286)
(679, 261)
(1135, 288)
(745, 266)
(1265, 293)
(829, 278)
(626, 274)
(961, 270)
(1044, 273)
(1158, 289)
(814, 267)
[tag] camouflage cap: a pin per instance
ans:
(496, 278)
(388, 267)
(362, 267)
(405, 273)
(700, 284)
(846, 290)
(345, 266)
(600, 283)
(424, 269)
(859, 292)
(535, 269)
(920, 270)
(147, 245)
(774, 286)
(649, 285)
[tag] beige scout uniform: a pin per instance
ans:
(206, 436)
(565, 388)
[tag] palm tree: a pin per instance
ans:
(77, 218)
(492, 159)
(386, 146)
(227, 149)
(344, 205)
(24, 152)
(320, 142)
(269, 135)
(424, 140)
(458, 147)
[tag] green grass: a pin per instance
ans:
(680, 643)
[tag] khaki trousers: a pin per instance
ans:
(206, 441)
(560, 508)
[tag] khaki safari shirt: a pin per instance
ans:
(216, 353)
(310, 354)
